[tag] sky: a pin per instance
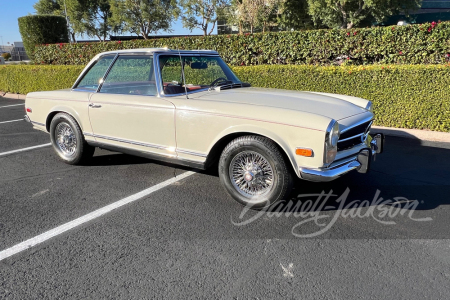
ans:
(11, 10)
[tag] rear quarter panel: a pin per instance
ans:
(44, 104)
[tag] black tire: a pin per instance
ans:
(82, 151)
(257, 147)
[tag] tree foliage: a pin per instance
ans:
(349, 13)
(42, 29)
(143, 17)
(255, 13)
(201, 14)
(90, 17)
(294, 15)
(414, 44)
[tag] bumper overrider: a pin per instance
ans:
(359, 162)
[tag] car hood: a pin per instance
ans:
(329, 105)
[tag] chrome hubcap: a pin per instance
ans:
(66, 139)
(251, 174)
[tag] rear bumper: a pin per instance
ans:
(360, 162)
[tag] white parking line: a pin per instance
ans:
(11, 121)
(86, 218)
(11, 105)
(24, 149)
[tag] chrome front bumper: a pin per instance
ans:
(360, 162)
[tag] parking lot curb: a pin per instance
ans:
(12, 96)
(423, 135)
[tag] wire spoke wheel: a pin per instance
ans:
(66, 139)
(251, 174)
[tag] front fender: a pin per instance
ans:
(287, 138)
(251, 129)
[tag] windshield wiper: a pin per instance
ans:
(233, 85)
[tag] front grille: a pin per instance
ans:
(352, 136)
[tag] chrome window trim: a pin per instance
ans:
(88, 68)
(107, 72)
(158, 79)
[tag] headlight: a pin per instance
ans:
(369, 106)
(331, 141)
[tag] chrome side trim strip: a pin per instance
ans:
(130, 142)
(145, 144)
(191, 153)
(37, 123)
(150, 155)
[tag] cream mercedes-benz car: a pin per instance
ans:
(187, 107)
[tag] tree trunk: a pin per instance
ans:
(350, 25)
(73, 37)
(212, 28)
(251, 28)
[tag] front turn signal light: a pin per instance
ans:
(304, 152)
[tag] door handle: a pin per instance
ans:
(92, 105)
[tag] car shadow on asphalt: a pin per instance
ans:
(409, 169)
(409, 174)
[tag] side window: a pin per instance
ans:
(200, 72)
(93, 76)
(131, 74)
(170, 69)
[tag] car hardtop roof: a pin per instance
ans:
(160, 50)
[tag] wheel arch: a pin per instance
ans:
(57, 110)
(224, 139)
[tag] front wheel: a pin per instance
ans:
(254, 172)
(68, 140)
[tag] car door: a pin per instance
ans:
(126, 111)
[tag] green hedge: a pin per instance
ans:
(23, 79)
(412, 44)
(406, 96)
(42, 29)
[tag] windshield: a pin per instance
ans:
(200, 72)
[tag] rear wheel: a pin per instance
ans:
(254, 172)
(68, 140)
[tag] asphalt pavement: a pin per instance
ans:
(382, 235)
